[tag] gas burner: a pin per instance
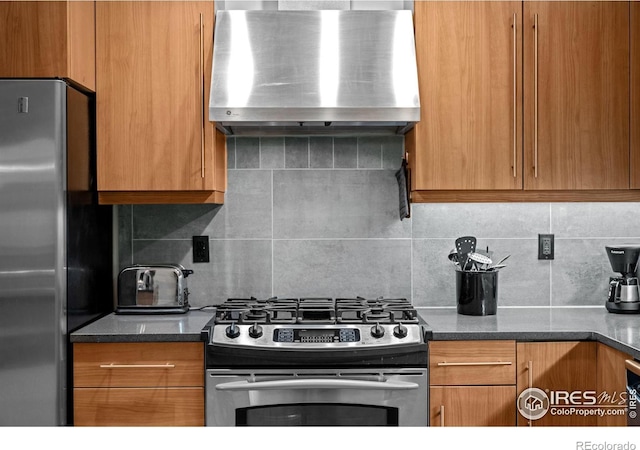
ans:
(379, 310)
(252, 311)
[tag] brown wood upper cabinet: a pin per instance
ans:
(153, 68)
(469, 67)
(45, 39)
(521, 96)
(576, 84)
(635, 95)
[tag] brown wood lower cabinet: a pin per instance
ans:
(557, 367)
(455, 406)
(139, 407)
(138, 384)
(472, 383)
(611, 380)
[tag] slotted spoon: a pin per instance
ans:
(464, 246)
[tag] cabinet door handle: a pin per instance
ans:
(442, 415)
(202, 102)
(632, 366)
(530, 373)
(137, 366)
(535, 96)
(477, 363)
(515, 97)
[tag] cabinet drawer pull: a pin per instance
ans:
(479, 363)
(137, 366)
(515, 96)
(441, 415)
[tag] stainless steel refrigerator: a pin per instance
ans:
(55, 245)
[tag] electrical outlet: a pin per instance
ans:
(545, 246)
(200, 249)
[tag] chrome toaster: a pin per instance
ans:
(153, 289)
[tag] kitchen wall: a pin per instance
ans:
(319, 216)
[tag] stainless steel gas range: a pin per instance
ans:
(316, 361)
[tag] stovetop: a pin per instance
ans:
(318, 310)
(318, 331)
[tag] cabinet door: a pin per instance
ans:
(153, 78)
(469, 66)
(138, 407)
(48, 39)
(557, 366)
(472, 406)
(576, 81)
(612, 384)
(635, 95)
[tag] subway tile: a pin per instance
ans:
(345, 153)
(617, 219)
(247, 153)
(483, 220)
(392, 152)
(337, 204)
(296, 152)
(125, 253)
(581, 271)
(369, 153)
(272, 152)
(320, 152)
(238, 268)
(339, 268)
(231, 152)
(245, 214)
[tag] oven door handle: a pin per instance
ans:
(313, 383)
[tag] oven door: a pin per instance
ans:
(395, 397)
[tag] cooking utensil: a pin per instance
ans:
(502, 260)
(464, 246)
(453, 257)
(480, 258)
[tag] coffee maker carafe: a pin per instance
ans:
(623, 290)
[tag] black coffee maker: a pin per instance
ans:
(623, 290)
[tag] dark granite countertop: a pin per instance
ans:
(144, 328)
(620, 331)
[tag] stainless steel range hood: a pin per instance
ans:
(314, 72)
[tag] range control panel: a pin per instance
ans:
(316, 335)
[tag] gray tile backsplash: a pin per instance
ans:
(318, 216)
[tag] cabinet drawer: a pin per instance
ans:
(139, 407)
(157, 364)
(472, 363)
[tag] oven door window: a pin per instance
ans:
(317, 414)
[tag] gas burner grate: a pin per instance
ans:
(318, 310)
(379, 310)
(252, 310)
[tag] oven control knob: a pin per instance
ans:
(232, 331)
(400, 331)
(255, 331)
(377, 331)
